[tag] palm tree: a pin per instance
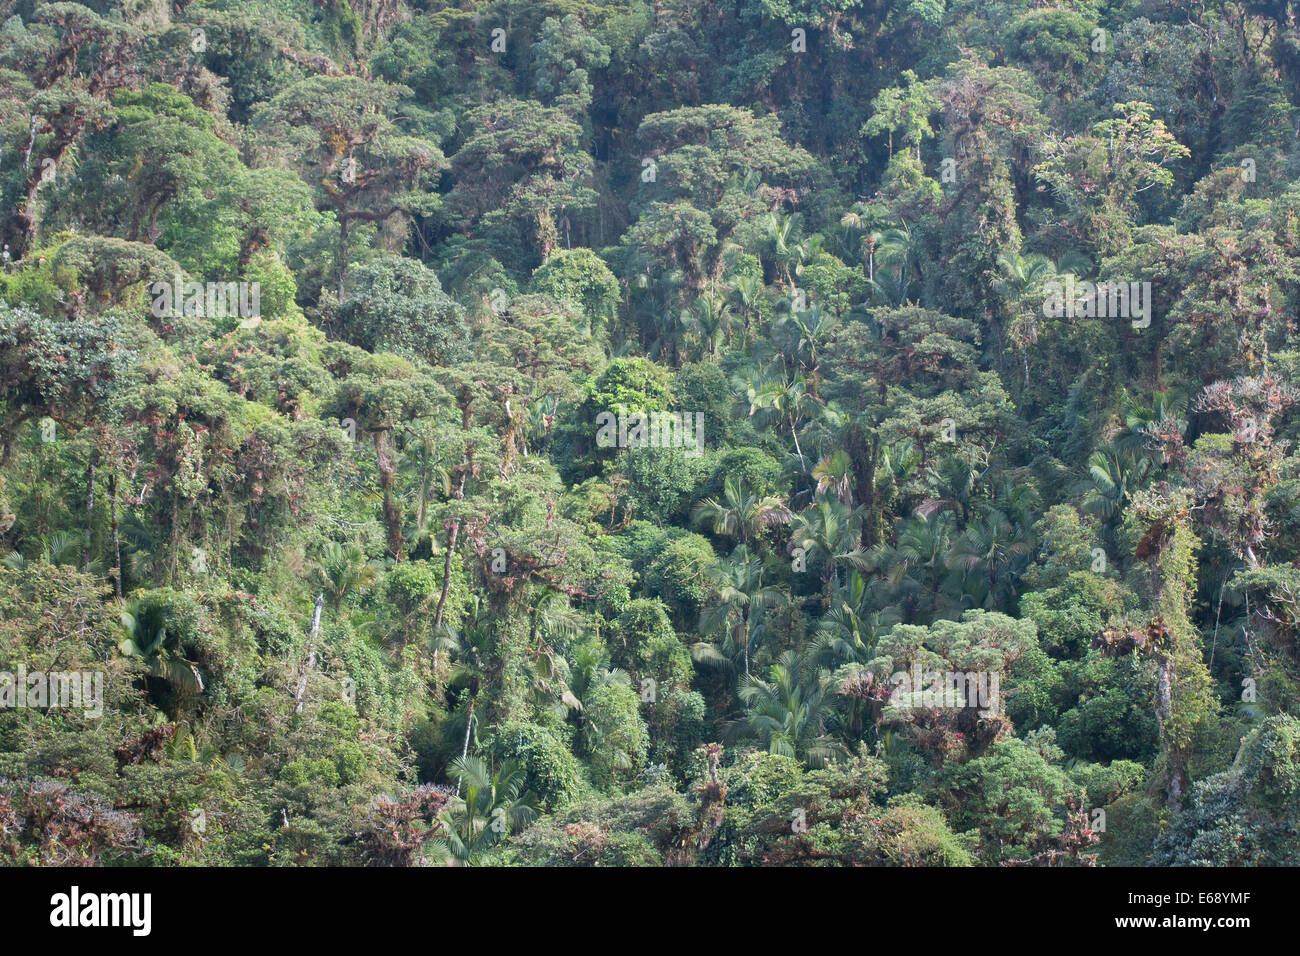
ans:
(59, 547)
(896, 249)
(741, 515)
(1019, 501)
(146, 639)
(847, 635)
(951, 483)
(789, 401)
(1115, 475)
(671, 324)
(805, 331)
(780, 233)
(807, 251)
(655, 306)
(1021, 281)
(422, 461)
(916, 564)
(739, 597)
(834, 473)
(591, 672)
(899, 462)
(1160, 426)
(788, 714)
(495, 803)
(848, 632)
(711, 319)
(893, 290)
(850, 243)
(344, 569)
(471, 670)
(992, 549)
(748, 290)
(829, 530)
(857, 241)
(553, 621)
(1022, 273)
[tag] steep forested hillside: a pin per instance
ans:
(683, 432)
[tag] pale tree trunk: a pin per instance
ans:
(464, 750)
(1164, 710)
(311, 655)
(469, 722)
(1164, 690)
(1175, 760)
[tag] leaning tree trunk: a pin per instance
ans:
(795, 435)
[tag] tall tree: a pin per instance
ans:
(339, 132)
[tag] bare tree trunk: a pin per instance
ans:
(1164, 689)
(469, 722)
(464, 750)
(795, 435)
(90, 511)
(311, 655)
(1164, 710)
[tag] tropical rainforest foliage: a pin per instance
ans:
(370, 577)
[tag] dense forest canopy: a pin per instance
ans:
(685, 432)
